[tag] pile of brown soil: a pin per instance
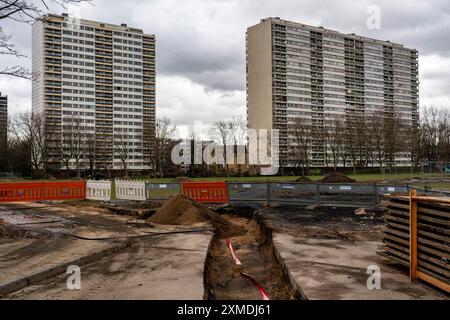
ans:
(337, 177)
(182, 210)
(180, 179)
(303, 179)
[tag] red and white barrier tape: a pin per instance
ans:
(262, 291)
(233, 253)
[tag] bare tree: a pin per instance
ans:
(335, 140)
(435, 134)
(67, 147)
(392, 139)
(103, 152)
(443, 146)
(32, 127)
(368, 144)
(351, 135)
(238, 128)
(16, 150)
(221, 134)
(301, 132)
(122, 151)
(164, 134)
(23, 11)
(79, 144)
(26, 128)
(411, 140)
(90, 151)
(376, 130)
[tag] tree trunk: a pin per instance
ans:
(78, 169)
(67, 170)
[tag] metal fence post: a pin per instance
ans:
(317, 195)
(269, 190)
(375, 193)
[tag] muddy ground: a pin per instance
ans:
(326, 222)
(48, 225)
(250, 230)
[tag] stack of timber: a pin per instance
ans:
(433, 240)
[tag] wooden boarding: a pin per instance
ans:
(417, 235)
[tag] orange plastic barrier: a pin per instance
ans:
(64, 190)
(20, 191)
(35, 191)
(206, 192)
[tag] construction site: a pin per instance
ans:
(330, 240)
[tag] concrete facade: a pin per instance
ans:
(296, 71)
(97, 79)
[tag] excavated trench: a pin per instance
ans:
(254, 247)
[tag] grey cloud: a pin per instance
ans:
(204, 40)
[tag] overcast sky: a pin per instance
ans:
(201, 45)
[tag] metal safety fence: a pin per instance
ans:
(323, 194)
(311, 193)
(162, 191)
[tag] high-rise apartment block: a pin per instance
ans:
(3, 118)
(96, 92)
(299, 71)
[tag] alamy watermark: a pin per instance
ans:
(262, 150)
(373, 21)
(74, 280)
(374, 281)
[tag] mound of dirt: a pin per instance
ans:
(181, 210)
(337, 177)
(180, 179)
(303, 179)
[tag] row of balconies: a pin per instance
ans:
(52, 46)
(52, 54)
(52, 61)
(52, 76)
(103, 39)
(103, 53)
(104, 82)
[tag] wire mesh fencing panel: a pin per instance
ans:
(351, 194)
(162, 191)
(247, 192)
(299, 193)
(382, 189)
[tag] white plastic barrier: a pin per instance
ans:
(130, 190)
(98, 190)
